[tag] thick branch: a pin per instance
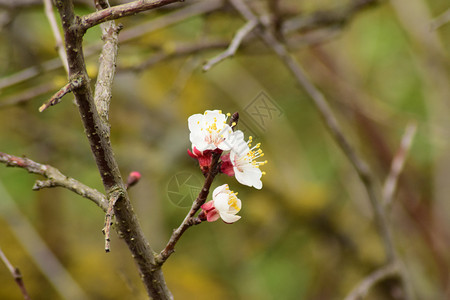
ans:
(120, 11)
(107, 68)
(97, 132)
(55, 178)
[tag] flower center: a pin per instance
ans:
(214, 134)
(250, 157)
(232, 201)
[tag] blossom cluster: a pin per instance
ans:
(210, 133)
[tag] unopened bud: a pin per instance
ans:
(202, 215)
(133, 178)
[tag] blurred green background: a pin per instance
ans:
(308, 234)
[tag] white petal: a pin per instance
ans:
(198, 141)
(240, 146)
(250, 176)
(229, 218)
(221, 202)
(220, 189)
(195, 122)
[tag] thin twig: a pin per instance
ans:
(190, 220)
(440, 20)
(125, 36)
(27, 95)
(361, 290)
(56, 98)
(316, 20)
(397, 164)
(15, 272)
(108, 221)
(48, 8)
(234, 45)
(179, 51)
(120, 11)
(332, 124)
(43, 257)
(55, 178)
(362, 169)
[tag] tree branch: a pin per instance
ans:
(234, 45)
(397, 164)
(120, 11)
(48, 8)
(440, 20)
(97, 132)
(56, 98)
(361, 290)
(107, 67)
(179, 51)
(332, 124)
(15, 272)
(189, 220)
(319, 101)
(27, 95)
(302, 23)
(55, 178)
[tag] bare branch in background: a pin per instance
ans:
(48, 8)
(15, 272)
(54, 178)
(327, 18)
(125, 36)
(120, 11)
(234, 45)
(292, 25)
(27, 95)
(398, 162)
(319, 101)
(179, 51)
(363, 288)
(16, 4)
(42, 256)
(440, 20)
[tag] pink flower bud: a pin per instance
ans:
(133, 178)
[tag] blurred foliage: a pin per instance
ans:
(308, 234)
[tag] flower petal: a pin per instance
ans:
(208, 206)
(229, 218)
(212, 215)
(220, 189)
